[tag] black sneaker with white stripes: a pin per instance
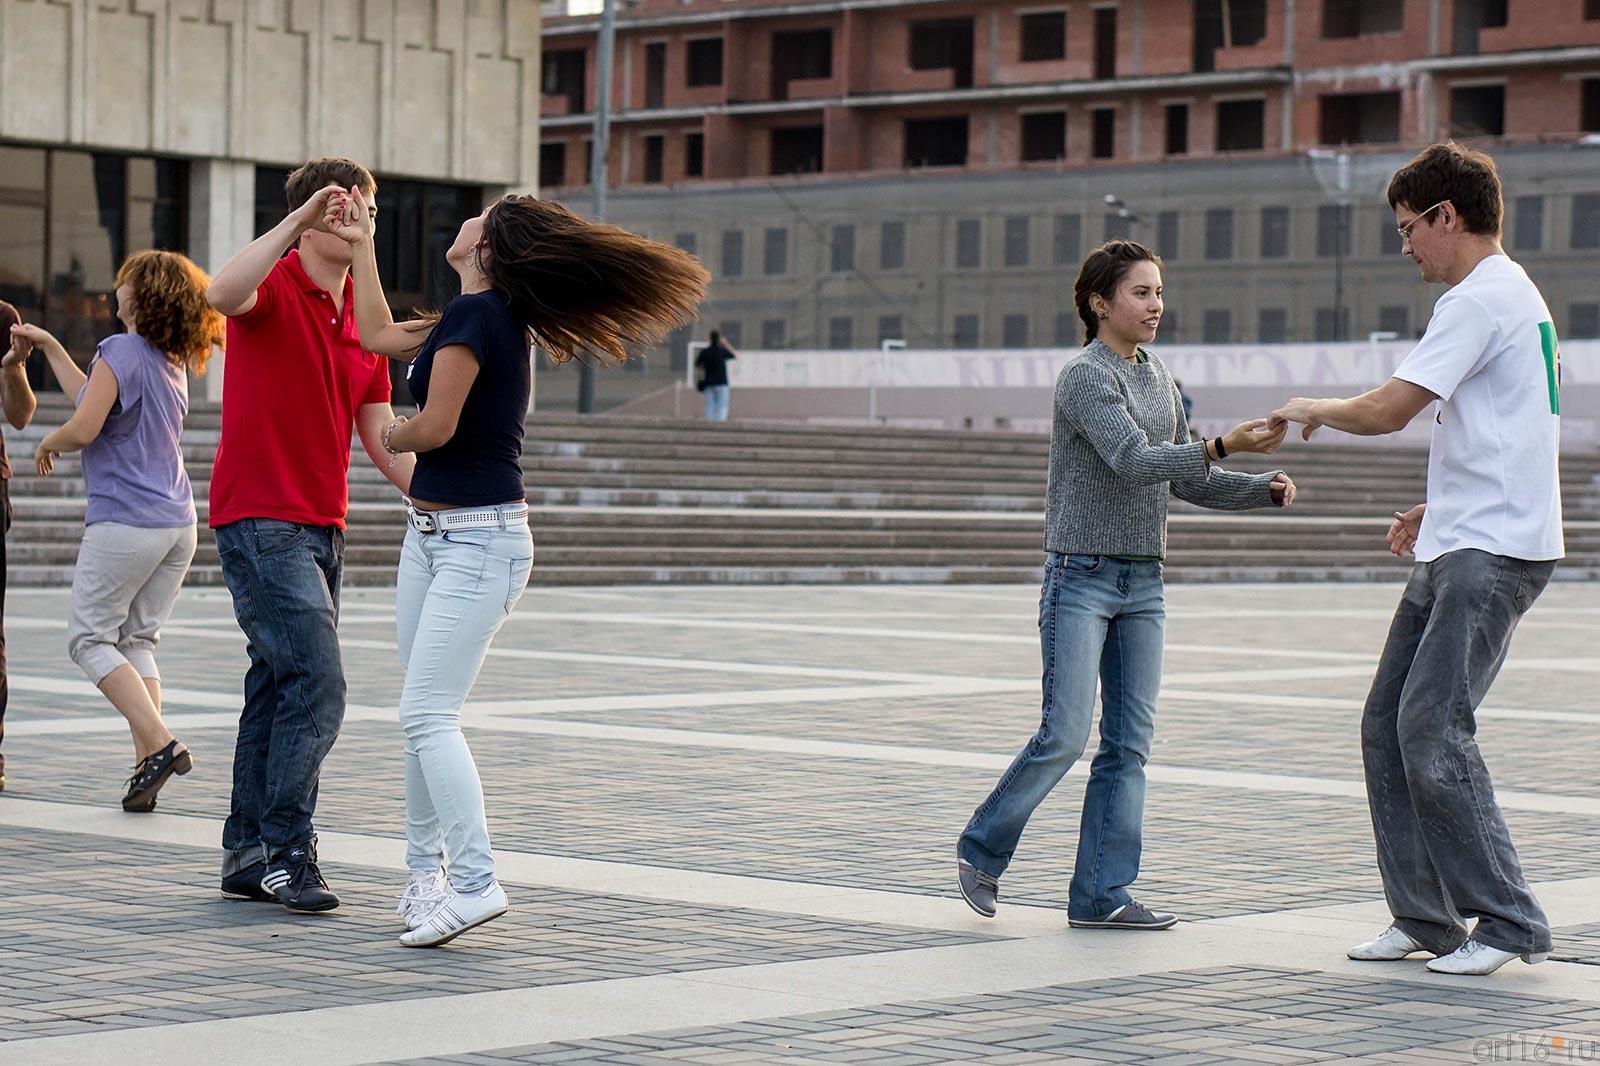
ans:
(246, 884)
(293, 877)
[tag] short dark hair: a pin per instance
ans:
(1101, 273)
(1449, 171)
(716, 338)
(321, 172)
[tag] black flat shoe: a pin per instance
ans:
(152, 774)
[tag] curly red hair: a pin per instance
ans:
(170, 309)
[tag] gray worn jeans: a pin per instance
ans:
(1443, 848)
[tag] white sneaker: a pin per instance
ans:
(425, 890)
(1478, 959)
(457, 913)
(1392, 945)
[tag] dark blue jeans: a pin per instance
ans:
(1100, 619)
(284, 579)
(1444, 851)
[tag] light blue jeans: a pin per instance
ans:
(1105, 618)
(453, 593)
(716, 403)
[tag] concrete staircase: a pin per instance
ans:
(635, 500)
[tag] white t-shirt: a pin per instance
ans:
(1491, 356)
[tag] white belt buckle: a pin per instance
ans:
(422, 521)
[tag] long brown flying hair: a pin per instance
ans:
(170, 309)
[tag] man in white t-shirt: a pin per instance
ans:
(1486, 542)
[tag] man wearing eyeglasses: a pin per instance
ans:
(1486, 542)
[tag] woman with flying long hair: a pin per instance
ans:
(139, 534)
(531, 271)
(1119, 447)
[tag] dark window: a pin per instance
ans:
(1241, 125)
(1478, 111)
(1105, 42)
(1583, 322)
(1353, 18)
(1014, 331)
(1527, 223)
(841, 333)
(552, 164)
(686, 241)
(1589, 110)
(1472, 16)
(733, 334)
(562, 74)
(1586, 220)
(1044, 36)
(1177, 129)
(1226, 24)
(1044, 136)
(890, 328)
(655, 74)
(1274, 233)
(943, 44)
(1105, 132)
(969, 242)
(797, 150)
(732, 253)
(1066, 240)
(655, 147)
(1168, 238)
(1333, 225)
(892, 246)
(775, 252)
(1018, 232)
(694, 155)
(705, 62)
(1272, 325)
(1216, 327)
(1332, 327)
(1066, 329)
(1395, 319)
(1591, 10)
(966, 331)
(936, 142)
(842, 248)
(1361, 118)
(1119, 227)
(773, 331)
(800, 55)
(1219, 233)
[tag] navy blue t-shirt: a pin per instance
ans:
(482, 463)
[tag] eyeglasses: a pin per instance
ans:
(1405, 231)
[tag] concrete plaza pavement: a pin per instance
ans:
(725, 818)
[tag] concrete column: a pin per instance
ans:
(222, 197)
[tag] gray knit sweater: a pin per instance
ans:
(1119, 444)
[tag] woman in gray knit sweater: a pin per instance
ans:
(1120, 445)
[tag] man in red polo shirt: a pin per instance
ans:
(295, 383)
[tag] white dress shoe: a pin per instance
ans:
(1479, 959)
(1392, 945)
(425, 890)
(457, 913)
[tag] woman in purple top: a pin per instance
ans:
(140, 525)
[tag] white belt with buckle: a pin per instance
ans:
(500, 517)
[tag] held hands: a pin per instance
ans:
(1299, 409)
(312, 214)
(1402, 535)
(1282, 489)
(1260, 435)
(23, 338)
(346, 215)
(45, 459)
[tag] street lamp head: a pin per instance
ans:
(1113, 200)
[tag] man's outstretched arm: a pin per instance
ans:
(1389, 408)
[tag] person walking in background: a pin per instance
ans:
(139, 534)
(1119, 448)
(297, 383)
(712, 363)
(16, 397)
(531, 272)
(1486, 541)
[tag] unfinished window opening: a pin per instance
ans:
(1478, 111)
(1357, 18)
(694, 155)
(1044, 36)
(796, 150)
(655, 147)
(655, 74)
(800, 55)
(1105, 42)
(1105, 133)
(562, 74)
(1044, 136)
(936, 142)
(1470, 17)
(1226, 24)
(1361, 118)
(1177, 129)
(1241, 125)
(705, 62)
(943, 44)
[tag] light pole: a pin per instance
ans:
(1122, 210)
(597, 161)
(1332, 170)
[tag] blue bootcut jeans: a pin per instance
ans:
(1099, 618)
(1444, 852)
(284, 578)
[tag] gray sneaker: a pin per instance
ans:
(979, 889)
(1131, 915)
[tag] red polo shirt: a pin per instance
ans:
(294, 378)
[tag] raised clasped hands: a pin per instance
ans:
(23, 338)
(346, 215)
(1402, 535)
